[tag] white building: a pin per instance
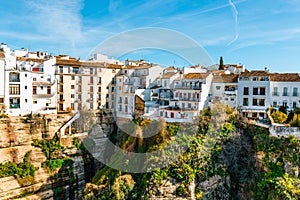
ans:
(285, 88)
(29, 83)
(190, 96)
(254, 94)
(133, 80)
(224, 89)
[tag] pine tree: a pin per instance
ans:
(221, 65)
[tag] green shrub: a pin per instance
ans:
(279, 117)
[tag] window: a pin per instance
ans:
(91, 70)
(275, 104)
(34, 101)
(48, 89)
(262, 91)
(284, 104)
(72, 86)
(255, 78)
(275, 91)
(42, 87)
(72, 96)
(33, 89)
(25, 75)
(34, 79)
(245, 102)
(231, 99)
(91, 89)
(294, 104)
(254, 115)
(25, 100)
(254, 102)
(295, 92)
(285, 91)
(14, 89)
(120, 107)
(255, 91)
(91, 80)
(73, 78)
(99, 80)
(261, 102)
(246, 91)
(91, 106)
(126, 108)
(246, 78)
(14, 103)
(189, 105)
(25, 87)
(218, 87)
(120, 99)
(75, 70)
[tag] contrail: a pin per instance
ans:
(235, 12)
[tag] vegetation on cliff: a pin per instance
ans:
(244, 163)
(23, 171)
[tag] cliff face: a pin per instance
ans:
(66, 182)
(245, 162)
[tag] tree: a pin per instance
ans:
(279, 117)
(221, 65)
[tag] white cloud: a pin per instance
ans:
(58, 20)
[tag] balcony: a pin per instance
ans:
(230, 92)
(185, 87)
(128, 83)
(44, 82)
(14, 80)
(48, 95)
(139, 74)
(285, 94)
(14, 105)
(187, 99)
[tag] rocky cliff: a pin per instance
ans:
(66, 182)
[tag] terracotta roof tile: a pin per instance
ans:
(195, 75)
(168, 75)
(170, 68)
(40, 60)
(285, 77)
(256, 73)
(225, 78)
(2, 55)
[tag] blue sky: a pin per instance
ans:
(256, 33)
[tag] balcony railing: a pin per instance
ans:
(14, 80)
(14, 105)
(44, 95)
(187, 99)
(128, 83)
(285, 94)
(230, 92)
(188, 87)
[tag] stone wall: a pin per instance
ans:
(284, 131)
